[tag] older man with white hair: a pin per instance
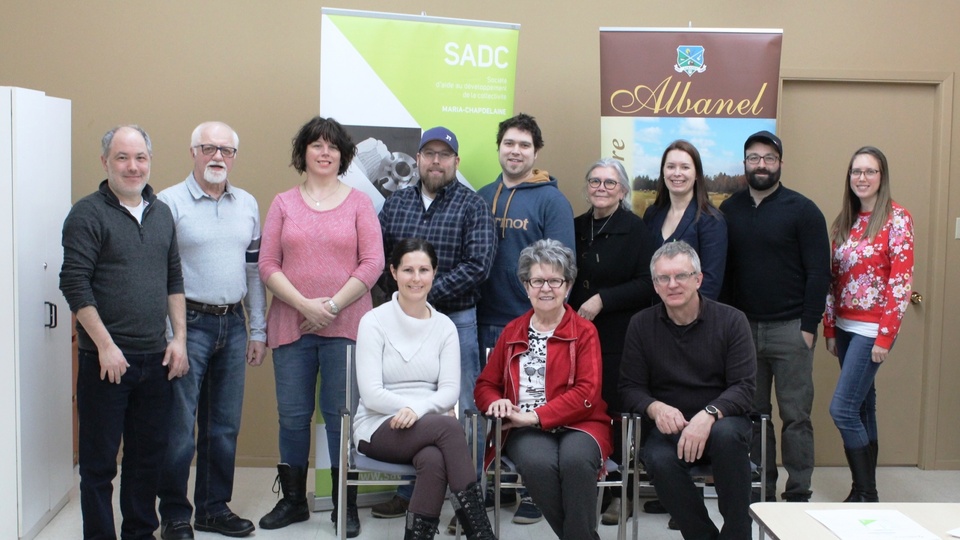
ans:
(218, 231)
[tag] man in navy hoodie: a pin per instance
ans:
(527, 206)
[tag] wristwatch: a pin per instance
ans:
(712, 411)
(334, 308)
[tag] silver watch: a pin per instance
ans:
(334, 308)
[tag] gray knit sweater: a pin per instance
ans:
(123, 268)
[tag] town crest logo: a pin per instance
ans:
(690, 60)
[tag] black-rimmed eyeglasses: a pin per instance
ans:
(211, 149)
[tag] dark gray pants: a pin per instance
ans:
(560, 471)
(785, 363)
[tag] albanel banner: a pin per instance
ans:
(389, 77)
(711, 87)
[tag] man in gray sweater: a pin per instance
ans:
(121, 277)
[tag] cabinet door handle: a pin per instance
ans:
(51, 315)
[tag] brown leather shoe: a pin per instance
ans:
(394, 508)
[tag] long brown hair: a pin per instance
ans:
(700, 194)
(850, 208)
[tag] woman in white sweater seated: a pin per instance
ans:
(408, 372)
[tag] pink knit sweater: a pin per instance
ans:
(318, 252)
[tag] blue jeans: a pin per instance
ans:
(854, 404)
(466, 321)
(136, 410)
(726, 452)
(295, 367)
(210, 395)
(487, 335)
(785, 363)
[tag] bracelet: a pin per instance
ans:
(333, 306)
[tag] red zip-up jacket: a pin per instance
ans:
(573, 378)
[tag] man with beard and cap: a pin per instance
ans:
(452, 217)
(218, 231)
(778, 271)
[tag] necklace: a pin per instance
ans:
(593, 223)
(316, 202)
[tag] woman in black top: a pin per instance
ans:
(613, 282)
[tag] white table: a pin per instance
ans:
(790, 521)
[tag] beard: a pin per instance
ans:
(215, 176)
(763, 184)
(433, 184)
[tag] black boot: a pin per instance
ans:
(420, 527)
(472, 513)
(353, 517)
(293, 506)
(864, 475)
(874, 451)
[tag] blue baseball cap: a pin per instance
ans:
(441, 134)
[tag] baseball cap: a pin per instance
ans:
(764, 137)
(441, 134)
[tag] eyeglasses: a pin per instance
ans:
(430, 155)
(530, 370)
(537, 283)
(769, 159)
(869, 173)
(608, 183)
(679, 278)
(211, 149)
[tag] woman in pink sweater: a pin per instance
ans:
(321, 253)
(872, 271)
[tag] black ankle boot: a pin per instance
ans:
(863, 471)
(420, 527)
(472, 513)
(353, 516)
(293, 507)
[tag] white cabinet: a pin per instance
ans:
(36, 445)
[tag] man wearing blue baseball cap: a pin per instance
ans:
(452, 217)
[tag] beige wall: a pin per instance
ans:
(169, 65)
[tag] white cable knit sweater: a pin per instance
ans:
(404, 362)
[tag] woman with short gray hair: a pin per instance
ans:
(613, 283)
(543, 380)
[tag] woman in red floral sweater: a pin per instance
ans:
(872, 271)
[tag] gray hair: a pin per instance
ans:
(622, 178)
(197, 131)
(107, 139)
(671, 250)
(547, 251)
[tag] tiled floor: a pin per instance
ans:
(253, 498)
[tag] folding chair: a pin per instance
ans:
(701, 474)
(352, 461)
(503, 464)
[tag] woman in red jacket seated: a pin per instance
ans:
(543, 379)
